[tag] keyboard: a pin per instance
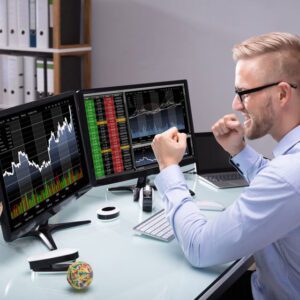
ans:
(156, 226)
(225, 180)
(224, 177)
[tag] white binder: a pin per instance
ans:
(1, 82)
(30, 90)
(32, 23)
(3, 23)
(42, 24)
(15, 80)
(12, 23)
(4, 76)
(40, 78)
(23, 23)
(50, 77)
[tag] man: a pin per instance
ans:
(265, 219)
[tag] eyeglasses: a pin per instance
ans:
(254, 90)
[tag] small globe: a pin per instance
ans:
(80, 275)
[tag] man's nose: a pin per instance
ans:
(237, 104)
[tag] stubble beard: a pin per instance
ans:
(261, 124)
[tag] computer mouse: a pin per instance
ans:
(209, 205)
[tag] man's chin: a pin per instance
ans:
(252, 134)
(248, 130)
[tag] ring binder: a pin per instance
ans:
(24, 27)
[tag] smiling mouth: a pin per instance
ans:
(247, 121)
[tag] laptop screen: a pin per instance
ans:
(210, 157)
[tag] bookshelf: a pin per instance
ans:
(63, 63)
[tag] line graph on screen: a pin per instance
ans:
(44, 159)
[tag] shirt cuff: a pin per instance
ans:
(245, 159)
(168, 177)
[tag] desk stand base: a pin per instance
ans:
(135, 188)
(43, 232)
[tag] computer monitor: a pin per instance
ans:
(42, 164)
(121, 122)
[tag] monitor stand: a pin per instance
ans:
(43, 231)
(134, 188)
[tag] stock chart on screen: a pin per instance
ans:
(40, 159)
(150, 112)
(123, 121)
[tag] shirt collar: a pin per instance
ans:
(287, 142)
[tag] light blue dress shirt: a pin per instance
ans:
(263, 221)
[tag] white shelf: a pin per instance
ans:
(47, 50)
(5, 106)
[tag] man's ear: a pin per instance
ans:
(285, 93)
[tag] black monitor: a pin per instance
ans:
(121, 122)
(42, 164)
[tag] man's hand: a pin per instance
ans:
(169, 147)
(229, 133)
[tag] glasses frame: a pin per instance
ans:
(257, 89)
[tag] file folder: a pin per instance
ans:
(42, 24)
(40, 78)
(1, 83)
(4, 76)
(50, 77)
(15, 80)
(12, 23)
(23, 23)
(3, 23)
(32, 23)
(30, 89)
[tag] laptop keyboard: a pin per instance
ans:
(156, 226)
(225, 180)
(224, 177)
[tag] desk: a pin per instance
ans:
(126, 265)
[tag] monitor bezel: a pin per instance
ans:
(115, 178)
(9, 234)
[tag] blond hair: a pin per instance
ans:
(285, 47)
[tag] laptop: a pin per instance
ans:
(212, 163)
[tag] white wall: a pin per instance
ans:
(137, 41)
